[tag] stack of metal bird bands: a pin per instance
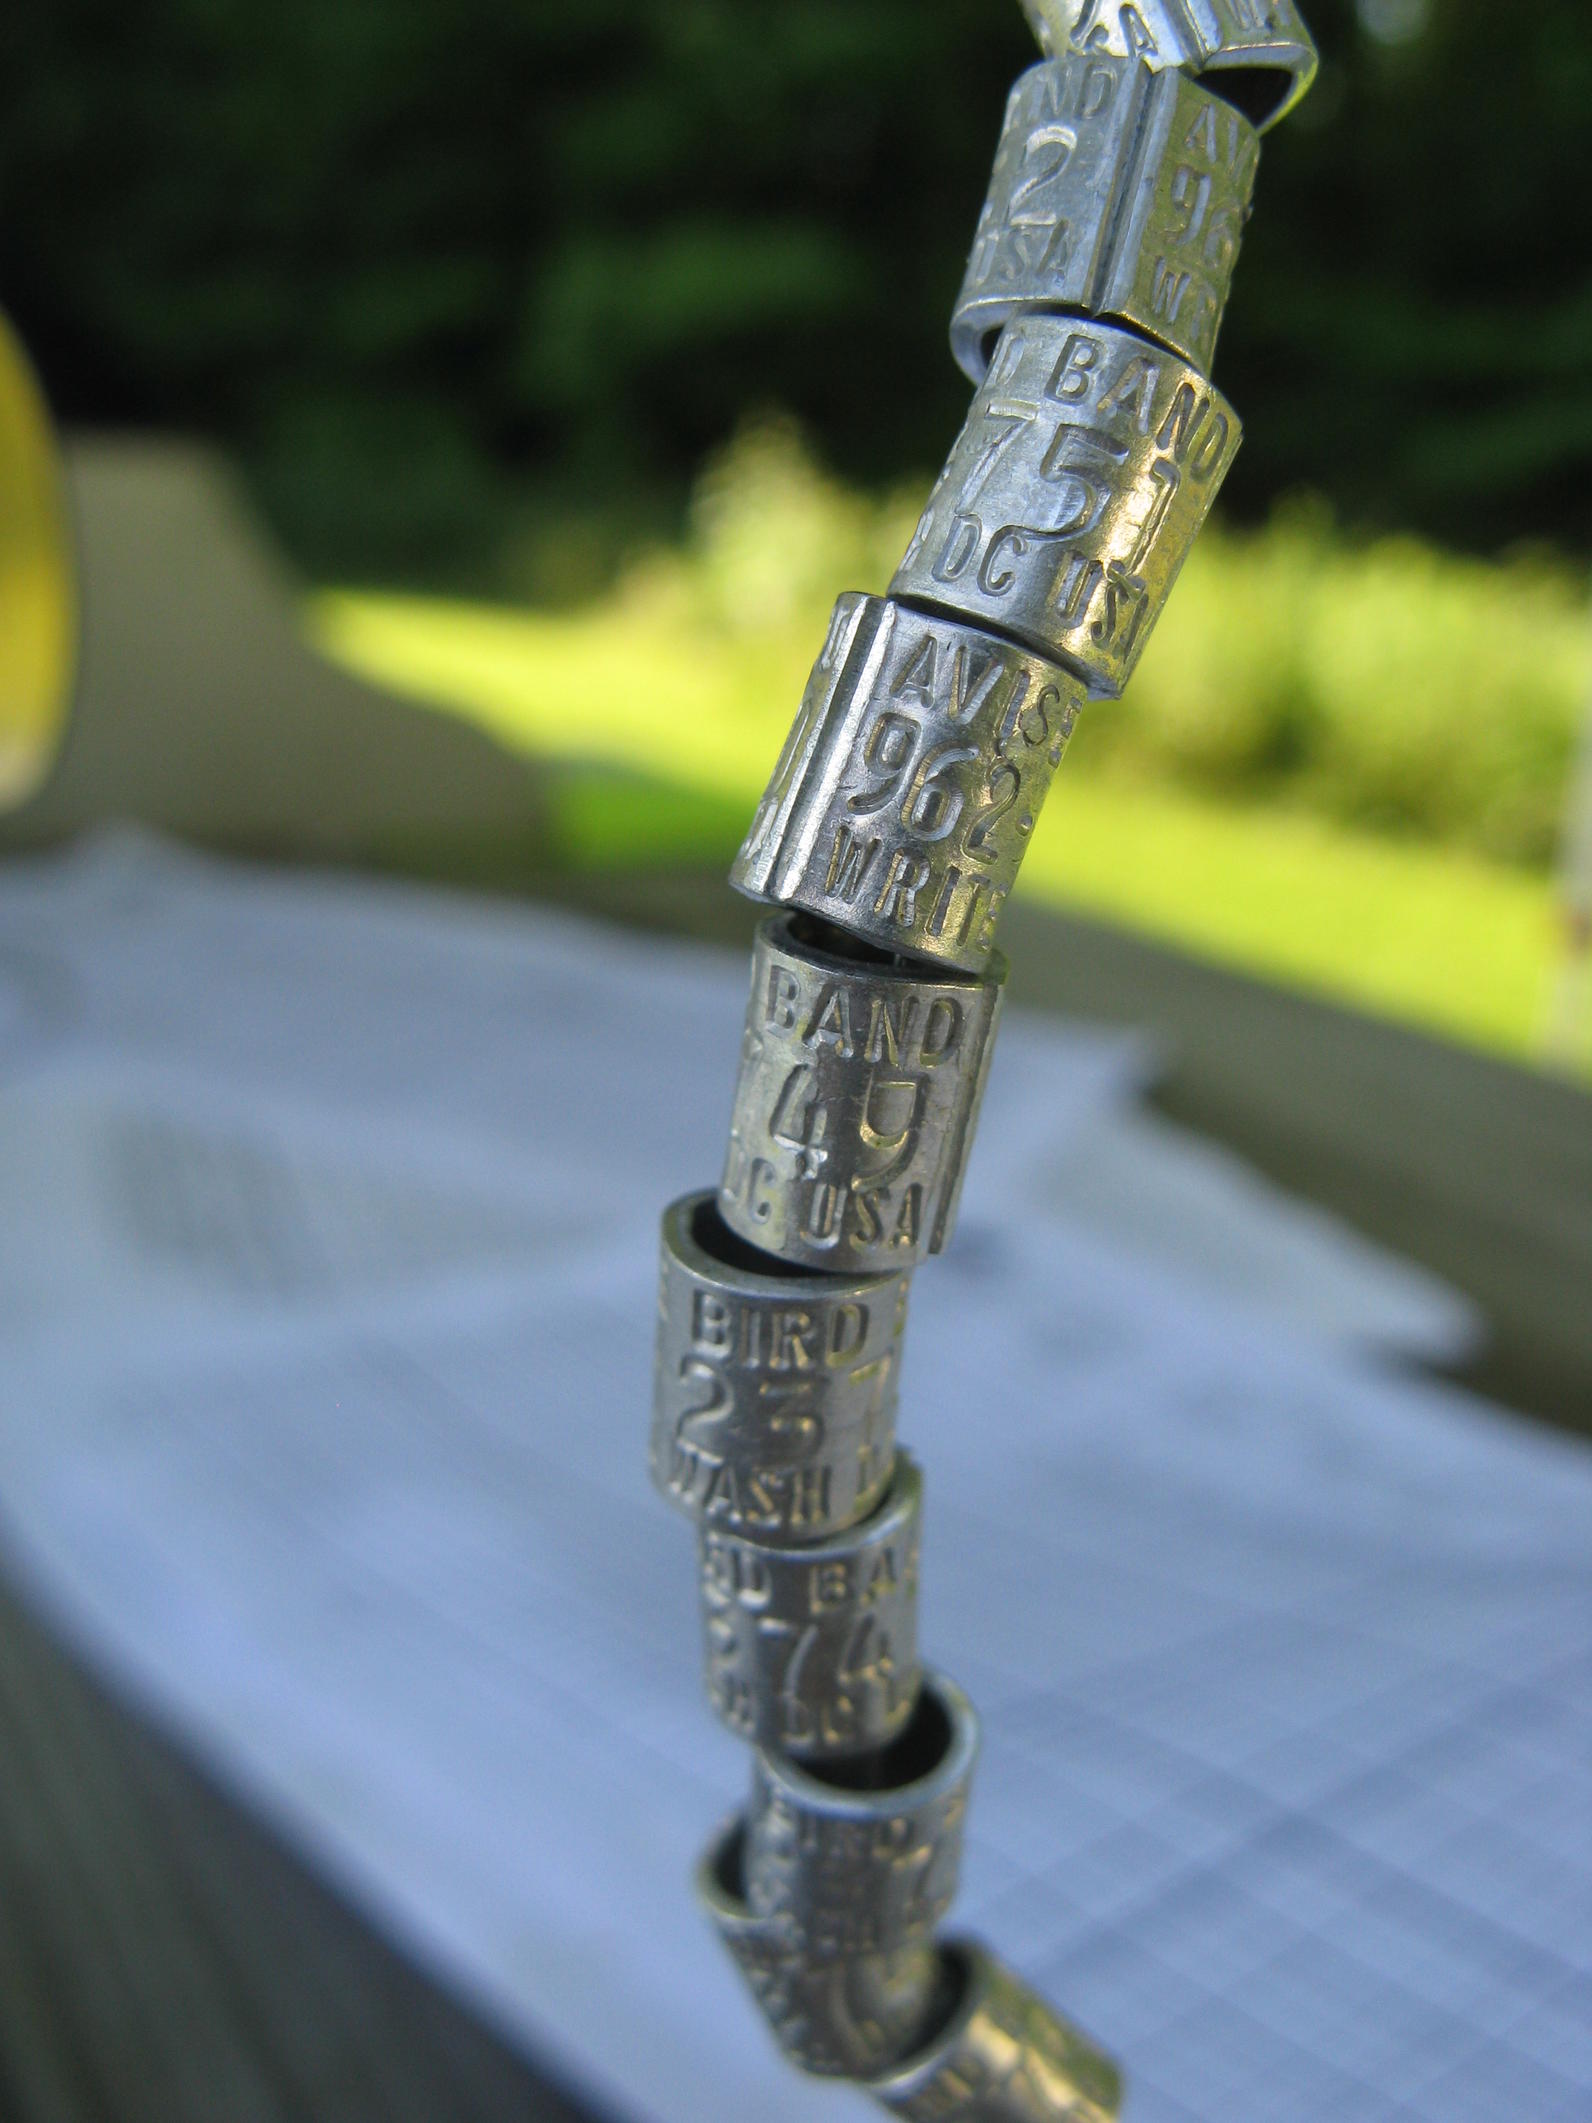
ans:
(889, 839)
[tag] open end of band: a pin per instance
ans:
(727, 1865)
(1031, 645)
(916, 1752)
(1086, 316)
(953, 1986)
(1260, 92)
(813, 933)
(728, 1249)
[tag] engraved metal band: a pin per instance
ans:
(905, 798)
(838, 2018)
(814, 1650)
(1068, 505)
(855, 1103)
(1256, 53)
(1117, 192)
(891, 833)
(774, 1394)
(857, 1864)
(1003, 2056)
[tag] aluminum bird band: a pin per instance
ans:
(859, 1086)
(1002, 2056)
(1071, 498)
(855, 1872)
(1256, 53)
(1117, 193)
(841, 2017)
(906, 796)
(774, 1398)
(814, 1650)
(890, 836)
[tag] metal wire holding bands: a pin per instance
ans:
(888, 840)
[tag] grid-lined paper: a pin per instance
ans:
(327, 1275)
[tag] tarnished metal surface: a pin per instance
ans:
(814, 1650)
(892, 832)
(905, 798)
(865, 1867)
(1070, 501)
(1257, 53)
(858, 1090)
(774, 1394)
(836, 2016)
(1117, 192)
(1003, 2057)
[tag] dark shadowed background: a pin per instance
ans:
(427, 264)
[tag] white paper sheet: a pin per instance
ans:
(326, 1282)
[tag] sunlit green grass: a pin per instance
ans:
(1299, 694)
(617, 685)
(1432, 936)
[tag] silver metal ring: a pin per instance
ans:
(774, 1394)
(862, 1858)
(1070, 500)
(1001, 2056)
(855, 1102)
(906, 796)
(836, 2018)
(1117, 192)
(814, 1650)
(1256, 53)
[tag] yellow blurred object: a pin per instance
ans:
(38, 596)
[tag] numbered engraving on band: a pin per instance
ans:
(837, 2017)
(1003, 2057)
(854, 1872)
(1116, 191)
(905, 798)
(814, 1651)
(858, 1089)
(774, 1395)
(1256, 53)
(1072, 496)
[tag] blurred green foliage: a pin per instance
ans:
(1301, 686)
(1387, 684)
(453, 273)
(1383, 684)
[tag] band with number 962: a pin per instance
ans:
(907, 793)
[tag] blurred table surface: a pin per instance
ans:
(161, 1955)
(163, 1959)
